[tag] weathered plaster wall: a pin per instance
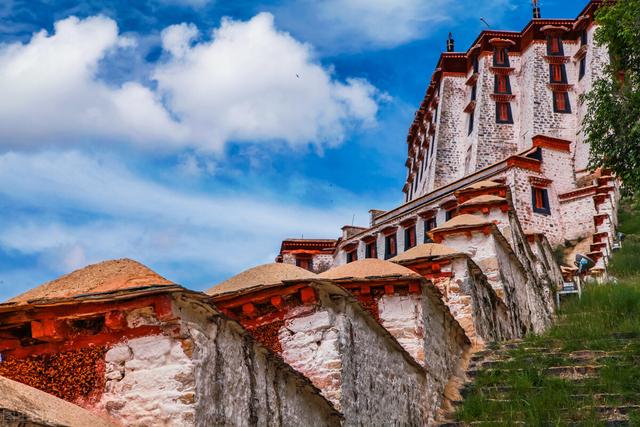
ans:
(309, 341)
(401, 315)
(597, 57)
(495, 141)
(212, 373)
(379, 382)
(449, 158)
(486, 311)
(354, 361)
(150, 381)
(446, 351)
(577, 215)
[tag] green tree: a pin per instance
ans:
(612, 120)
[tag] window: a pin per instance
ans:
(583, 38)
(501, 57)
(352, 255)
(470, 123)
(476, 64)
(583, 68)
(370, 250)
(554, 45)
(502, 84)
(429, 224)
(409, 237)
(390, 246)
(540, 201)
(503, 112)
(561, 102)
(303, 263)
(449, 214)
(473, 92)
(557, 73)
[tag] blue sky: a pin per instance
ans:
(194, 135)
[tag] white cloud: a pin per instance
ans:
(252, 82)
(49, 93)
(241, 85)
(75, 209)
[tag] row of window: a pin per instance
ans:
(539, 202)
(502, 85)
(391, 242)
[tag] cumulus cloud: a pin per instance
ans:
(69, 209)
(49, 93)
(253, 82)
(248, 82)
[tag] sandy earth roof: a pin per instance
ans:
(369, 268)
(41, 408)
(96, 278)
(261, 276)
(462, 221)
(485, 198)
(425, 250)
(483, 184)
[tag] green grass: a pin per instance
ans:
(605, 319)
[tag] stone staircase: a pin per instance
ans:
(550, 382)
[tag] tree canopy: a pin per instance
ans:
(612, 120)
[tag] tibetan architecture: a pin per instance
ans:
(375, 325)
(129, 345)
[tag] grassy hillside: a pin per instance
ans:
(584, 371)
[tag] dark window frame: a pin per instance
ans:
(429, 224)
(470, 129)
(582, 68)
(305, 263)
(390, 246)
(540, 201)
(499, 118)
(498, 78)
(501, 57)
(449, 214)
(567, 104)
(352, 255)
(408, 233)
(474, 92)
(550, 45)
(371, 249)
(552, 74)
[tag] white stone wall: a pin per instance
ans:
(449, 160)
(577, 215)
(551, 225)
(150, 381)
(485, 317)
(355, 362)
(309, 341)
(597, 58)
(212, 373)
(401, 315)
(495, 141)
(379, 384)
